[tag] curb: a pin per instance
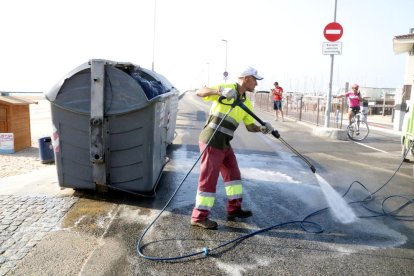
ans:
(333, 133)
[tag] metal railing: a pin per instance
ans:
(310, 109)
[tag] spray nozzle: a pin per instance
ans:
(276, 134)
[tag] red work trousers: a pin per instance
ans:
(213, 162)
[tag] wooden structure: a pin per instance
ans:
(15, 118)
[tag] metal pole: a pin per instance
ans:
(153, 38)
(208, 73)
(225, 59)
(328, 100)
(317, 112)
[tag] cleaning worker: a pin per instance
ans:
(218, 157)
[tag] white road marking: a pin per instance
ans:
(371, 147)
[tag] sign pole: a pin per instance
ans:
(225, 74)
(328, 98)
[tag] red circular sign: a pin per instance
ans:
(333, 31)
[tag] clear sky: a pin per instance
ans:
(43, 40)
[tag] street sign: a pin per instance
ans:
(332, 48)
(333, 31)
(226, 74)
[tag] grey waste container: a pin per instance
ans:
(46, 154)
(113, 122)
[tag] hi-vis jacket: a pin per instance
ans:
(225, 131)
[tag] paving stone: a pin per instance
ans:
(24, 221)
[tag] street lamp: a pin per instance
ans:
(153, 38)
(225, 74)
(208, 73)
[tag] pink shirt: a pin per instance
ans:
(352, 98)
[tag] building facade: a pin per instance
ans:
(404, 44)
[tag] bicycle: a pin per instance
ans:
(358, 130)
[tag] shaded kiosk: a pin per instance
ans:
(15, 124)
(112, 124)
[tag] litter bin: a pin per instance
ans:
(112, 124)
(365, 107)
(46, 154)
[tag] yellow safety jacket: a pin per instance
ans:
(225, 130)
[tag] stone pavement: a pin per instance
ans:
(24, 221)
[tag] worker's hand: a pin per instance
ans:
(229, 93)
(267, 128)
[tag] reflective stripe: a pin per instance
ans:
(221, 129)
(234, 197)
(204, 200)
(228, 118)
(206, 194)
(234, 191)
(229, 183)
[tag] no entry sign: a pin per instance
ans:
(333, 31)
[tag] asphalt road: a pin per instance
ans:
(99, 234)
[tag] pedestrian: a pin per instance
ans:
(218, 157)
(354, 100)
(277, 93)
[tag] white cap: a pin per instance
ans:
(250, 71)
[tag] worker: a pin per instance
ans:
(218, 157)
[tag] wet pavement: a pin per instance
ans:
(85, 233)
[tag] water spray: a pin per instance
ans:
(275, 133)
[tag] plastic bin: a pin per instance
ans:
(46, 154)
(113, 122)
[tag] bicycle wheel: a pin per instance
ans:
(358, 131)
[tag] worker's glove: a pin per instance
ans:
(229, 93)
(267, 128)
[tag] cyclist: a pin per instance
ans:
(354, 100)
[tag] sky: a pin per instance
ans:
(43, 40)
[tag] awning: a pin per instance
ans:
(403, 43)
(10, 100)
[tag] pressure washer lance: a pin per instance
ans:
(275, 133)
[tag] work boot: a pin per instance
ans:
(239, 214)
(206, 224)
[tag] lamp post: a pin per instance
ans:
(153, 38)
(225, 74)
(208, 73)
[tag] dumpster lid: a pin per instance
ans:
(127, 87)
(54, 91)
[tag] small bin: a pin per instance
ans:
(46, 150)
(365, 107)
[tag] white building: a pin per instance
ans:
(404, 44)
